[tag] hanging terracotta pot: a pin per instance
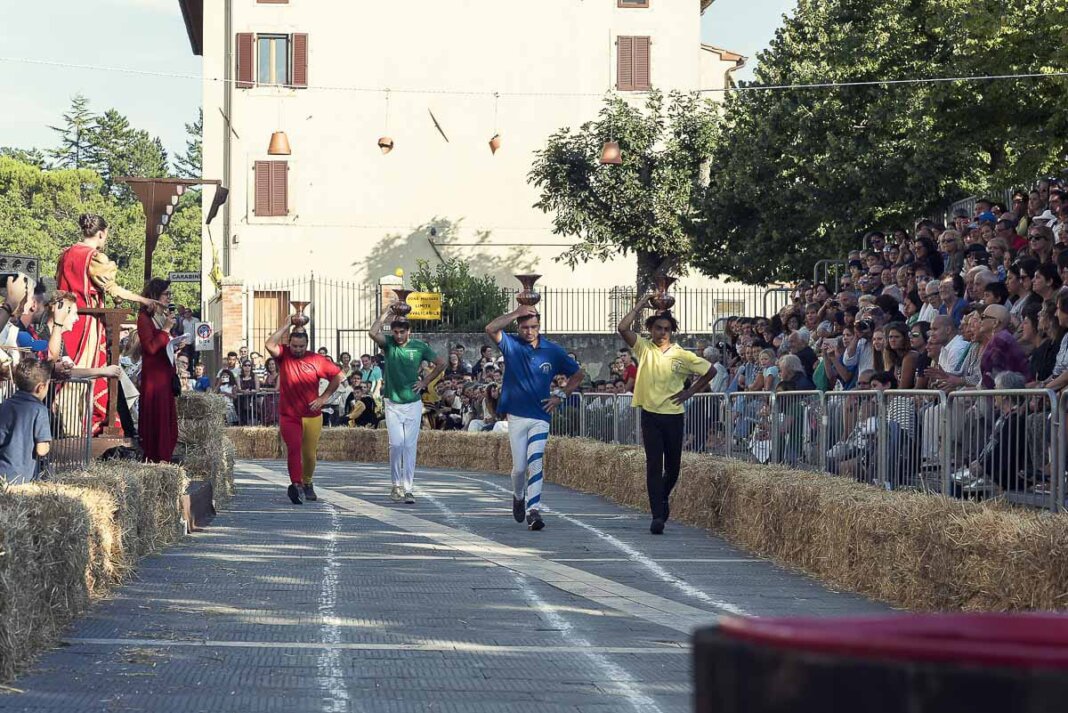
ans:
(610, 153)
(386, 144)
(279, 145)
(495, 143)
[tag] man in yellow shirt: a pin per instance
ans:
(659, 391)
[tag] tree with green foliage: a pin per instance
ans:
(117, 149)
(797, 175)
(468, 301)
(644, 206)
(75, 136)
(191, 164)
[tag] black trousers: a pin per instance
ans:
(662, 437)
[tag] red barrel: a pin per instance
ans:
(936, 663)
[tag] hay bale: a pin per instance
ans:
(201, 426)
(128, 492)
(909, 549)
(45, 534)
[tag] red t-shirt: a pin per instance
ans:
(630, 373)
(298, 381)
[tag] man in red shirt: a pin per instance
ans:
(630, 370)
(300, 405)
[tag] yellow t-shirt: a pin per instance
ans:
(661, 375)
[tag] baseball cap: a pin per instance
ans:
(986, 217)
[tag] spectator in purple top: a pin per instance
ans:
(1001, 351)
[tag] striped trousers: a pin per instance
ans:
(527, 437)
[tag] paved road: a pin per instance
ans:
(358, 604)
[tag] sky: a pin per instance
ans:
(150, 35)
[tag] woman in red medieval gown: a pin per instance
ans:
(157, 423)
(86, 271)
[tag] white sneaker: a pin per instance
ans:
(396, 494)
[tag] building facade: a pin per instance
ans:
(457, 74)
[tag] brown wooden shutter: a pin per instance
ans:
(642, 78)
(272, 188)
(263, 188)
(625, 64)
(245, 63)
(272, 2)
(279, 187)
(300, 60)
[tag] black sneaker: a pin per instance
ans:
(534, 521)
(294, 494)
(657, 527)
(409, 498)
(309, 492)
(519, 508)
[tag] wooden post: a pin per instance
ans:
(113, 320)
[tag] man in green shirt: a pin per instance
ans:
(401, 398)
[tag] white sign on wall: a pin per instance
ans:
(204, 334)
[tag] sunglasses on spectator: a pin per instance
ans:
(915, 335)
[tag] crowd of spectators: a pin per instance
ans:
(979, 304)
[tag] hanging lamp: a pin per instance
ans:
(385, 143)
(611, 154)
(495, 142)
(279, 145)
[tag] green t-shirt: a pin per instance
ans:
(402, 369)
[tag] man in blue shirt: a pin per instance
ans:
(530, 363)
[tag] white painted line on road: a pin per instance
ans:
(609, 670)
(450, 647)
(630, 601)
(638, 558)
(331, 676)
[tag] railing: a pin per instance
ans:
(342, 312)
(69, 405)
(971, 444)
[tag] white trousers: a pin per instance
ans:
(402, 424)
(527, 436)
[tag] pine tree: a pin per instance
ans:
(76, 136)
(190, 164)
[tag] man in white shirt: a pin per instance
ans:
(952, 357)
(932, 301)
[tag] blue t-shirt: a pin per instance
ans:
(202, 384)
(528, 375)
(25, 340)
(23, 424)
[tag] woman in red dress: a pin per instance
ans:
(157, 413)
(86, 271)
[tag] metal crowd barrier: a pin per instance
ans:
(969, 444)
(69, 405)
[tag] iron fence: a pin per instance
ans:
(69, 405)
(971, 444)
(342, 312)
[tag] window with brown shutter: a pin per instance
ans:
(632, 64)
(243, 56)
(272, 2)
(272, 188)
(300, 60)
(633, 3)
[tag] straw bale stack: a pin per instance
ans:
(65, 543)
(460, 449)
(128, 493)
(201, 432)
(909, 549)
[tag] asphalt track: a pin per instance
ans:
(355, 603)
